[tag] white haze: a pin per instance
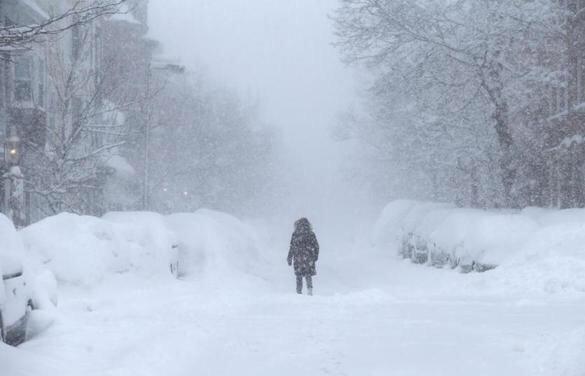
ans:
(279, 53)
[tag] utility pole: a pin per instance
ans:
(147, 111)
(147, 119)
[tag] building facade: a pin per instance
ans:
(23, 95)
(65, 97)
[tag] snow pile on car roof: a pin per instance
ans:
(469, 234)
(214, 244)
(533, 250)
(83, 250)
(150, 236)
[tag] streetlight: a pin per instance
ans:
(12, 151)
(13, 181)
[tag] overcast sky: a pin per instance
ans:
(276, 50)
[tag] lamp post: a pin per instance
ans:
(162, 68)
(13, 181)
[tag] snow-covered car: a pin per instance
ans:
(15, 306)
(15, 293)
(156, 243)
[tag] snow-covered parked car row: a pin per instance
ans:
(530, 250)
(84, 251)
(421, 250)
(443, 235)
(75, 250)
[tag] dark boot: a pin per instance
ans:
(299, 284)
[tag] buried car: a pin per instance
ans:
(157, 243)
(15, 293)
(15, 307)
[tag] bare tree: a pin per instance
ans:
(68, 172)
(80, 13)
(455, 60)
(207, 147)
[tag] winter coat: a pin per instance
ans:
(304, 251)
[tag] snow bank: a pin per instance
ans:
(534, 249)
(82, 250)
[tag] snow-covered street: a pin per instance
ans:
(171, 171)
(379, 317)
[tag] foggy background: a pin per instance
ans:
(279, 54)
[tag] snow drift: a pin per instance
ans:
(533, 249)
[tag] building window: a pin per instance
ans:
(562, 99)
(23, 79)
(75, 42)
(580, 67)
(41, 84)
(2, 82)
(8, 21)
(95, 139)
(555, 101)
(76, 108)
(572, 6)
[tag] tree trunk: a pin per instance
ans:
(492, 83)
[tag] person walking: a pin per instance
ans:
(304, 252)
